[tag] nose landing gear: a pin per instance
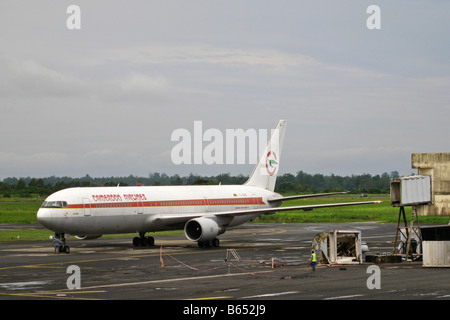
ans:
(62, 246)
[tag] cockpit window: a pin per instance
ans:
(54, 204)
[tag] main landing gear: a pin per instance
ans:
(209, 243)
(62, 246)
(143, 241)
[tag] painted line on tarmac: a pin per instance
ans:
(59, 264)
(172, 280)
(53, 295)
(60, 294)
(137, 255)
(269, 295)
(344, 297)
(210, 298)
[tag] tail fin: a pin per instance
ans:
(264, 174)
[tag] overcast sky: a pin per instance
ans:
(105, 99)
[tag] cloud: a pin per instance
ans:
(32, 79)
(341, 105)
(105, 99)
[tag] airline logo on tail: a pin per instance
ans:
(271, 163)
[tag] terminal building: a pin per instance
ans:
(437, 166)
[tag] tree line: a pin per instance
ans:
(286, 183)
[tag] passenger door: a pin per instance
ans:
(87, 207)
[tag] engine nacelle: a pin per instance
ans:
(202, 229)
(89, 237)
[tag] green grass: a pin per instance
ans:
(25, 235)
(20, 212)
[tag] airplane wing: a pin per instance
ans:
(304, 196)
(167, 218)
(279, 209)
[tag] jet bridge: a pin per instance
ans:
(413, 191)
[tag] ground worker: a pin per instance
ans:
(57, 244)
(313, 261)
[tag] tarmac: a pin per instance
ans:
(266, 262)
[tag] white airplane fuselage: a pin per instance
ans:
(111, 210)
(204, 212)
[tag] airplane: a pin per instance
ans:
(203, 212)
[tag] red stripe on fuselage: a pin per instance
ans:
(171, 203)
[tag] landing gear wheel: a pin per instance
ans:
(209, 243)
(215, 242)
(143, 241)
(62, 247)
(149, 241)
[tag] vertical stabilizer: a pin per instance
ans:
(264, 174)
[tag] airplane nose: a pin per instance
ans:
(44, 216)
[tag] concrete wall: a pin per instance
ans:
(438, 166)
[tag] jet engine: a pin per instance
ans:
(89, 237)
(202, 229)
